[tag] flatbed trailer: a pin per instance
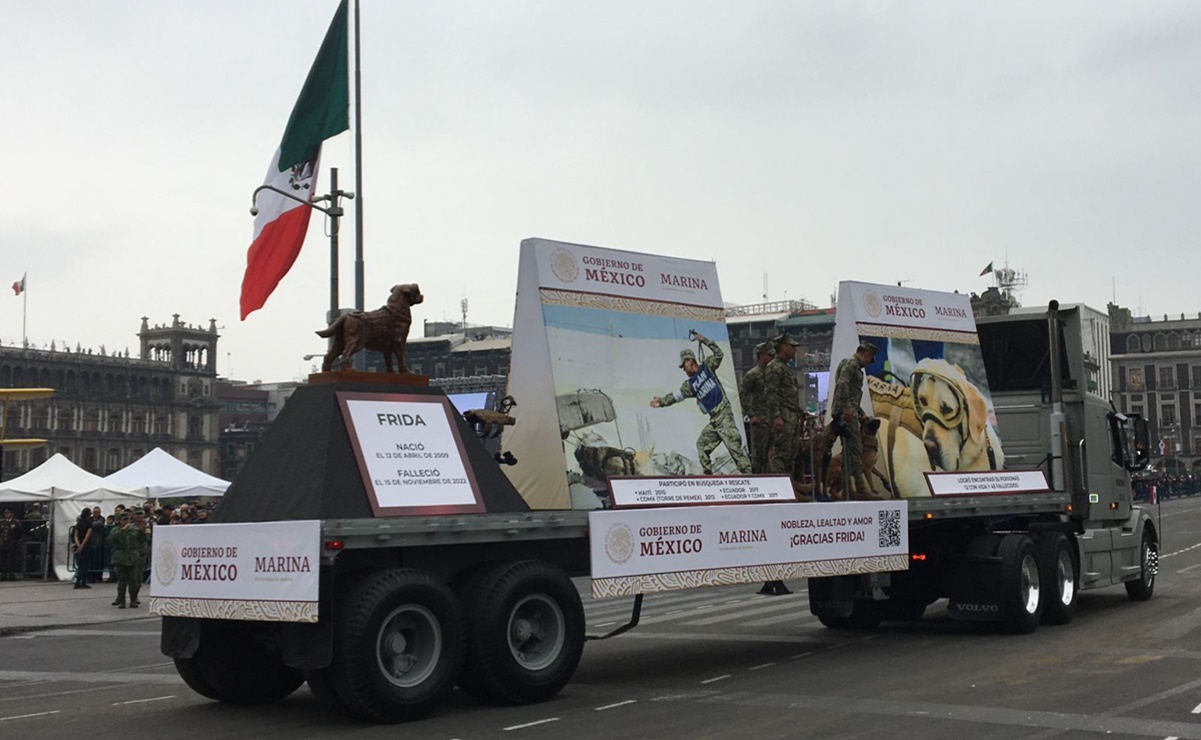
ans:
(408, 607)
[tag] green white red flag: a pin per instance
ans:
(19, 286)
(321, 111)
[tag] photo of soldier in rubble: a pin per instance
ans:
(609, 363)
(703, 385)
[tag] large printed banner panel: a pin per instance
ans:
(650, 550)
(258, 571)
(598, 334)
(927, 385)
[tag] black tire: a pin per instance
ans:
(525, 633)
(321, 680)
(1021, 587)
(398, 646)
(470, 680)
(190, 673)
(1144, 587)
(231, 666)
(1060, 572)
(321, 683)
(906, 609)
(834, 622)
(867, 614)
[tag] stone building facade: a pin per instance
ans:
(1157, 373)
(109, 410)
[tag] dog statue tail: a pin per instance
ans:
(332, 329)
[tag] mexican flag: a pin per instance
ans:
(321, 111)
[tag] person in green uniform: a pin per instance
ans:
(783, 409)
(754, 404)
(846, 410)
(130, 543)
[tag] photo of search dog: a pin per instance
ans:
(935, 412)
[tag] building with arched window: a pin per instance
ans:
(110, 409)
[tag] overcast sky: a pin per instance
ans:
(810, 142)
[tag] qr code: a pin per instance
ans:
(890, 528)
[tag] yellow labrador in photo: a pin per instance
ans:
(954, 419)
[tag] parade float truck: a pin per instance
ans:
(1016, 468)
(376, 548)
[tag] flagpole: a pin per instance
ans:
(24, 307)
(358, 167)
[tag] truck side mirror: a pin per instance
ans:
(1142, 443)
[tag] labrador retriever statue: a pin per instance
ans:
(384, 330)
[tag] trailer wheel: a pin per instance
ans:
(906, 609)
(321, 683)
(865, 615)
(1021, 587)
(1060, 574)
(525, 633)
(398, 646)
(833, 621)
(231, 666)
(1142, 588)
(320, 680)
(189, 671)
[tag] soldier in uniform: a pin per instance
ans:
(782, 416)
(10, 546)
(754, 403)
(130, 543)
(703, 385)
(846, 409)
(783, 407)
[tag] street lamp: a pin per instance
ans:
(334, 211)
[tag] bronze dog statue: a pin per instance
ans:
(384, 330)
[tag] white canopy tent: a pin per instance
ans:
(158, 474)
(68, 488)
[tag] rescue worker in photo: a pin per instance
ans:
(131, 543)
(754, 404)
(703, 385)
(847, 417)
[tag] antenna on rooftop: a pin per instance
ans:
(463, 308)
(1010, 281)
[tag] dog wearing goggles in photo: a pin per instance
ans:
(954, 419)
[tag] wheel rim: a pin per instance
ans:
(1030, 585)
(1066, 577)
(536, 632)
(409, 645)
(1150, 563)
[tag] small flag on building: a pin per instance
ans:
(19, 286)
(986, 270)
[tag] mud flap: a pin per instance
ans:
(974, 583)
(833, 596)
(180, 637)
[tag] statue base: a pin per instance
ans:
(357, 376)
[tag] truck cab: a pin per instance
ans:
(1047, 375)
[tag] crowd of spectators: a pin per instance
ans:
(89, 538)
